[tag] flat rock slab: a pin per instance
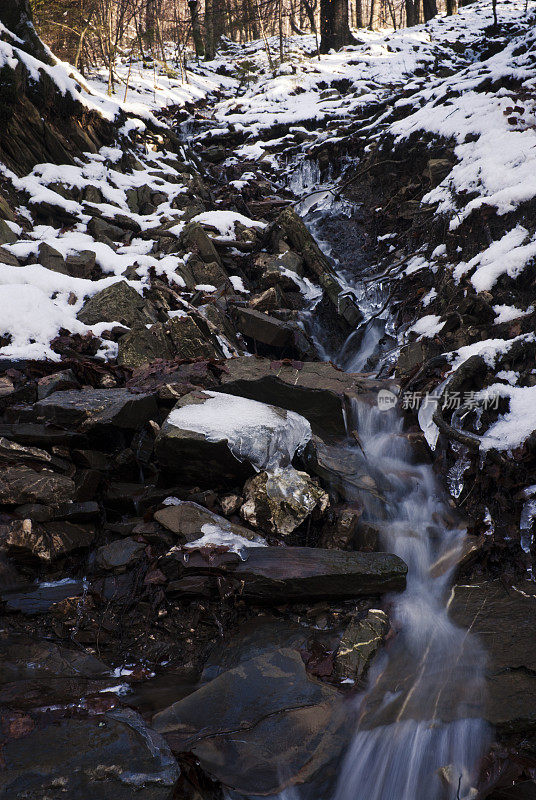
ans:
(259, 726)
(504, 620)
(96, 408)
(113, 756)
(282, 574)
(318, 391)
(187, 520)
(21, 484)
(212, 437)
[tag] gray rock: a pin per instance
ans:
(8, 258)
(191, 338)
(318, 391)
(91, 408)
(47, 541)
(260, 726)
(143, 345)
(57, 382)
(51, 259)
(19, 484)
(104, 231)
(294, 574)
(187, 519)
(194, 239)
(224, 452)
(6, 234)
(117, 303)
(81, 265)
(263, 328)
(113, 756)
(120, 554)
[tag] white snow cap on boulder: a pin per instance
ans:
(266, 436)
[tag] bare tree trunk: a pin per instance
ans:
(151, 13)
(196, 28)
(17, 16)
(359, 21)
(411, 13)
(209, 30)
(334, 28)
(452, 7)
(429, 9)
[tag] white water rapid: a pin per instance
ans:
(419, 731)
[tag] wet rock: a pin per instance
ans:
(274, 270)
(34, 511)
(19, 485)
(211, 437)
(141, 346)
(278, 502)
(6, 234)
(318, 391)
(47, 541)
(78, 512)
(7, 258)
(258, 727)
(503, 619)
(342, 469)
(286, 574)
(43, 435)
(230, 503)
(292, 228)
(17, 453)
(190, 520)
(109, 756)
(525, 790)
(58, 381)
(117, 303)
(92, 408)
(11, 394)
(120, 554)
(34, 657)
(341, 526)
(359, 644)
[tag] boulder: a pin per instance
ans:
(81, 265)
(7, 236)
(191, 338)
(112, 756)
(47, 541)
(195, 239)
(98, 408)
(57, 382)
(191, 521)
(143, 345)
(318, 391)
(264, 328)
(7, 258)
(259, 727)
(503, 618)
(117, 303)
(120, 554)
(104, 231)
(292, 228)
(268, 300)
(278, 502)
(344, 470)
(359, 644)
(51, 259)
(21, 484)
(293, 574)
(212, 437)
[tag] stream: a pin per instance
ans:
(419, 731)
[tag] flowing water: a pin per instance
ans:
(419, 730)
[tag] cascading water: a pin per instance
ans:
(419, 731)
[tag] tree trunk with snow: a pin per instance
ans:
(16, 15)
(334, 28)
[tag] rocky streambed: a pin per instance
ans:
(214, 540)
